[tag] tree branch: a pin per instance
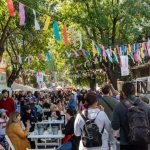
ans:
(5, 30)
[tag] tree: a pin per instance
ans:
(22, 40)
(107, 22)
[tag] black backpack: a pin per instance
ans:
(139, 128)
(91, 137)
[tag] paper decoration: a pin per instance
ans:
(123, 49)
(68, 55)
(109, 55)
(19, 59)
(115, 57)
(111, 52)
(136, 56)
(75, 53)
(11, 8)
(39, 77)
(132, 52)
(104, 51)
(47, 22)
(142, 50)
(100, 59)
(80, 37)
(37, 26)
(21, 14)
(40, 56)
(148, 47)
(73, 37)
(83, 52)
(84, 64)
(56, 30)
(65, 35)
(87, 52)
(98, 48)
(124, 65)
(48, 56)
(29, 59)
(129, 48)
(93, 48)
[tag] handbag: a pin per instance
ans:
(67, 138)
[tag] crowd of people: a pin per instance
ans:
(95, 120)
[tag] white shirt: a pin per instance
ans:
(101, 121)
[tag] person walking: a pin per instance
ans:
(107, 101)
(132, 117)
(94, 123)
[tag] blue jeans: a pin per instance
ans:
(66, 146)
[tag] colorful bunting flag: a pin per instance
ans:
(110, 50)
(73, 37)
(104, 51)
(40, 56)
(48, 56)
(87, 52)
(68, 55)
(56, 30)
(11, 8)
(19, 59)
(21, 14)
(148, 47)
(109, 55)
(37, 26)
(83, 52)
(29, 59)
(98, 48)
(80, 37)
(75, 53)
(47, 22)
(65, 35)
(93, 48)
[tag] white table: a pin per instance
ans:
(51, 122)
(46, 137)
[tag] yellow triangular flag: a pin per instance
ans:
(47, 22)
(93, 48)
(142, 51)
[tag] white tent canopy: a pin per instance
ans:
(2, 87)
(17, 87)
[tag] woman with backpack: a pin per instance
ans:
(92, 125)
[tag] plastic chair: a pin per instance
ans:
(11, 147)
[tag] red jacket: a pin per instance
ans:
(7, 104)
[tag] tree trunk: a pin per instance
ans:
(114, 31)
(13, 76)
(113, 74)
(1, 52)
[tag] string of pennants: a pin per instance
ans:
(137, 51)
(87, 74)
(47, 57)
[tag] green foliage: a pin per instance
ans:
(108, 22)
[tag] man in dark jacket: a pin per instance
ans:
(107, 101)
(120, 119)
